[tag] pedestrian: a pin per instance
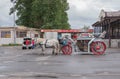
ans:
(75, 42)
(75, 37)
(33, 43)
(59, 38)
(27, 42)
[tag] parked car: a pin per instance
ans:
(27, 43)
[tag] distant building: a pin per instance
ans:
(16, 34)
(109, 22)
(11, 35)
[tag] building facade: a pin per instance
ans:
(15, 35)
(12, 35)
(109, 22)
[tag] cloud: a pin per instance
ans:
(81, 12)
(86, 12)
(5, 18)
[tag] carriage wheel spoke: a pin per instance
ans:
(67, 50)
(98, 47)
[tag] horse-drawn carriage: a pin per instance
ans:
(87, 43)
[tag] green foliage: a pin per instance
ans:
(11, 44)
(47, 14)
(86, 27)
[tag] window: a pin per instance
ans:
(21, 34)
(36, 35)
(5, 34)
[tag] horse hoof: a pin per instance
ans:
(42, 54)
(53, 53)
(56, 53)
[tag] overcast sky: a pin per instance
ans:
(81, 12)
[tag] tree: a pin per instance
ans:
(49, 14)
(86, 27)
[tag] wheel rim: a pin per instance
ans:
(98, 48)
(67, 50)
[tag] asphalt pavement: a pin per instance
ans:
(16, 63)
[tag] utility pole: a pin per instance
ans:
(109, 33)
(14, 26)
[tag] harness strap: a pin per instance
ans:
(46, 42)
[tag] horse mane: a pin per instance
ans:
(40, 40)
(43, 40)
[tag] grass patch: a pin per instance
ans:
(11, 44)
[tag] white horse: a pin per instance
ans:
(54, 43)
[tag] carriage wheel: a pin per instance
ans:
(67, 50)
(98, 48)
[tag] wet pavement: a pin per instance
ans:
(16, 63)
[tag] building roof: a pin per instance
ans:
(96, 23)
(105, 15)
(112, 14)
(18, 27)
(67, 31)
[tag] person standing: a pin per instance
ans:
(75, 42)
(59, 38)
(33, 43)
(27, 43)
(75, 37)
